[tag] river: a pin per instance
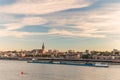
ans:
(11, 70)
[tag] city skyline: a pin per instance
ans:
(60, 24)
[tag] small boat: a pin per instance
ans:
(33, 60)
(101, 65)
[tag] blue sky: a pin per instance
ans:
(60, 24)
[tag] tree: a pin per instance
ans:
(86, 56)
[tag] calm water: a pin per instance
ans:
(11, 70)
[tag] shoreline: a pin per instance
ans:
(116, 62)
(17, 59)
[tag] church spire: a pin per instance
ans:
(43, 47)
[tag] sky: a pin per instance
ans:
(60, 24)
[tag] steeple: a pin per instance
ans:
(43, 47)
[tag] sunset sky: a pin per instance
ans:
(60, 24)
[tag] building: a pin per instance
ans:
(39, 51)
(71, 51)
(43, 51)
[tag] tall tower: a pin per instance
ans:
(43, 47)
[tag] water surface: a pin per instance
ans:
(11, 70)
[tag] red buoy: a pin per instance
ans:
(22, 73)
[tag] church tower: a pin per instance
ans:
(43, 47)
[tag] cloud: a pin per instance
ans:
(101, 23)
(43, 6)
(10, 28)
(6, 33)
(20, 23)
(73, 33)
(33, 21)
(7, 19)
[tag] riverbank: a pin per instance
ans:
(16, 58)
(115, 62)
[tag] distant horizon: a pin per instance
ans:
(61, 24)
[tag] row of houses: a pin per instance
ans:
(70, 54)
